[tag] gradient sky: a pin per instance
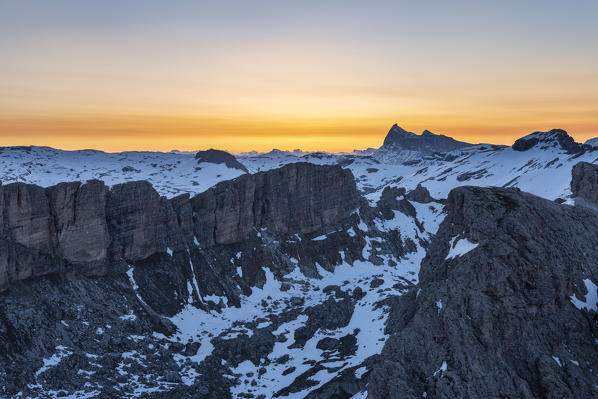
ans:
(257, 75)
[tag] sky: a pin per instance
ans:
(315, 75)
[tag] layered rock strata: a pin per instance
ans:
(87, 227)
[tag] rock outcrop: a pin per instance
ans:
(584, 184)
(419, 194)
(552, 138)
(494, 314)
(299, 197)
(219, 157)
(88, 227)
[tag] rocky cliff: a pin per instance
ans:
(299, 197)
(584, 184)
(88, 227)
(165, 270)
(505, 305)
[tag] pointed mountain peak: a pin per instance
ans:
(399, 139)
(397, 129)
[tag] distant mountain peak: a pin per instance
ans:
(219, 157)
(396, 131)
(593, 142)
(426, 143)
(556, 138)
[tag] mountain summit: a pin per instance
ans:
(426, 143)
(558, 138)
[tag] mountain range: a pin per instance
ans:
(426, 268)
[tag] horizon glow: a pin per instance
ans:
(331, 76)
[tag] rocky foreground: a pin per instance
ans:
(288, 283)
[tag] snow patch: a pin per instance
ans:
(460, 248)
(56, 358)
(558, 361)
(590, 301)
(441, 370)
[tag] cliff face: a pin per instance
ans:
(79, 213)
(43, 230)
(88, 227)
(498, 310)
(584, 184)
(141, 222)
(298, 197)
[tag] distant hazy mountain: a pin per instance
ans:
(426, 143)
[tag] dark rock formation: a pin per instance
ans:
(393, 198)
(427, 143)
(497, 321)
(80, 218)
(419, 194)
(299, 197)
(87, 227)
(141, 222)
(584, 184)
(219, 157)
(116, 327)
(26, 217)
(553, 138)
(45, 229)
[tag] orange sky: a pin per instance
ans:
(166, 133)
(313, 76)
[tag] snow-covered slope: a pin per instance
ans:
(543, 169)
(171, 173)
(544, 172)
(592, 142)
